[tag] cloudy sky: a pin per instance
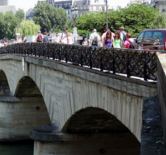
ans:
(26, 4)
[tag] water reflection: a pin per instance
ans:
(16, 148)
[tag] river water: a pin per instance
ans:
(16, 148)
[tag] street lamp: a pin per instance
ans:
(74, 17)
(106, 13)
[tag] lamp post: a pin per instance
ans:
(74, 17)
(106, 13)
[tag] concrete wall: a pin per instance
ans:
(67, 89)
(162, 89)
(90, 145)
(19, 117)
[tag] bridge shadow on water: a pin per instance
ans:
(16, 148)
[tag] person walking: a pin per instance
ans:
(104, 36)
(122, 33)
(128, 43)
(39, 37)
(108, 41)
(117, 43)
(46, 37)
(94, 39)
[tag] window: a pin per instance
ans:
(148, 35)
(158, 36)
(140, 37)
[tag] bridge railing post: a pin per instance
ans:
(128, 65)
(90, 57)
(113, 63)
(145, 67)
(101, 62)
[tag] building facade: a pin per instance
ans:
(4, 7)
(65, 4)
(4, 2)
(83, 6)
(79, 7)
(97, 5)
(159, 4)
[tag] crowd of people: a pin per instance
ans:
(109, 39)
(63, 37)
(119, 39)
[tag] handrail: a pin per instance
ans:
(137, 63)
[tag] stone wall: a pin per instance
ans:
(19, 116)
(162, 89)
(67, 89)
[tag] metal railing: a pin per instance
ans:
(129, 62)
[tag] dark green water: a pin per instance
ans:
(16, 148)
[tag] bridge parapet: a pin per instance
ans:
(131, 63)
(161, 88)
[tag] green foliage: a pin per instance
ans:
(8, 23)
(134, 18)
(160, 21)
(28, 27)
(20, 14)
(137, 17)
(84, 33)
(90, 21)
(49, 17)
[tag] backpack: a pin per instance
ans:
(45, 39)
(124, 36)
(95, 41)
(39, 38)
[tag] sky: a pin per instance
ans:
(26, 4)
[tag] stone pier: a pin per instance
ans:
(18, 116)
(52, 143)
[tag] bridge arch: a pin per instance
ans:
(26, 87)
(102, 124)
(31, 98)
(4, 86)
(91, 119)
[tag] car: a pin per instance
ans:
(152, 39)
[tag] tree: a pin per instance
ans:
(8, 23)
(134, 18)
(28, 27)
(160, 22)
(49, 17)
(137, 17)
(20, 14)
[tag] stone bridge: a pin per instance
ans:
(77, 100)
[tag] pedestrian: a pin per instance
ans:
(104, 36)
(117, 42)
(46, 37)
(108, 41)
(122, 33)
(85, 42)
(94, 39)
(39, 37)
(128, 43)
(64, 36)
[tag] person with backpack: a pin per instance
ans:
(45, 37)
(94, 39)
(39, 37)
(122, 33)
(128, 43)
